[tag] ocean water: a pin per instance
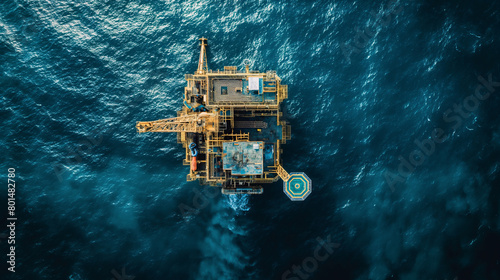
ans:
(373, 87)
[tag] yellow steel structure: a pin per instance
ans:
(229, 106)
(202, 62)
(282, 173)
(195, 122)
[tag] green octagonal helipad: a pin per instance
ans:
(298, 187)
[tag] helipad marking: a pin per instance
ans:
(298, 186)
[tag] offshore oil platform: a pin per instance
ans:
(232, 130)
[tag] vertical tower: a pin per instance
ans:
(202, 62)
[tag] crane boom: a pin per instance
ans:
(197, 122)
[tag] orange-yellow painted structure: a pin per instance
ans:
(235, 121)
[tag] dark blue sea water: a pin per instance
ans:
(369, 82)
